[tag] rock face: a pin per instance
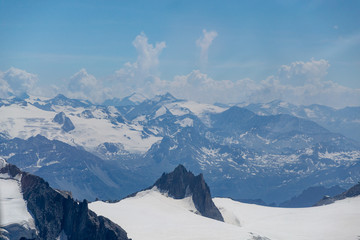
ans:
(311, 196)
(56, 215)
(352, 192)
(69, 168)
(63, 120)
(181, 183)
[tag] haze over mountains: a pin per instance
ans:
(269, 151)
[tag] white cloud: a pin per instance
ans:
(135, 75)
(5, 90)
(300, 73)
(204, 43)
(200, 87)
(16, 81)
(83, 85)
(298, 83)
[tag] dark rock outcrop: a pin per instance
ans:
(311, 196)
(352, 192)
(181, 183)
(63, 120)
(87, 114)
(55, 214)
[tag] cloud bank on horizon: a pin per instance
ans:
(300, 82)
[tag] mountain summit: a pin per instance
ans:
(33, 210)
(182, 183)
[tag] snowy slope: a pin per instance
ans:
(201, 110)
(13, 208)
(235, 149)
(152, 215)
(26, 121)
(340, 220)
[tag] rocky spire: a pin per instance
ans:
(181, 183)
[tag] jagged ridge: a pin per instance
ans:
(181, 183)
(55, 214)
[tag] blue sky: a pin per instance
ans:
(254, 39)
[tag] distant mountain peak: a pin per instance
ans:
(351, 192)
(62, 100)
(167, 97)
(60, 96)
(182, 183)
(136, 97)
(131, 100)
(63, 120)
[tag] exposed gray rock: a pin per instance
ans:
(352, 192)
(87, 114)
(311, 196)
(63, 120)
(181, 183)
(55, 215)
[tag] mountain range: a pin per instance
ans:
(268, 151)
(178, 206)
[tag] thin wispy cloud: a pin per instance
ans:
(133, 76)
(204, 42)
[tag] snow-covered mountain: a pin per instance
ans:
(345, 121)
(94, 125)
(177, 206)
(242, 154)
(72, 169)
(339, 220)
(156, 214)
(133, 99)
(30, 209)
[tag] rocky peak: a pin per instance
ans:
(182, 183)
(63, 120)
(167, 97)
(61, 100)
(57, 215)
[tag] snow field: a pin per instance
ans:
(12, 205)
(27, 121)
(340, 220)
(152, 215)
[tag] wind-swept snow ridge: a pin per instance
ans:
(339, 220)
(151, 215)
